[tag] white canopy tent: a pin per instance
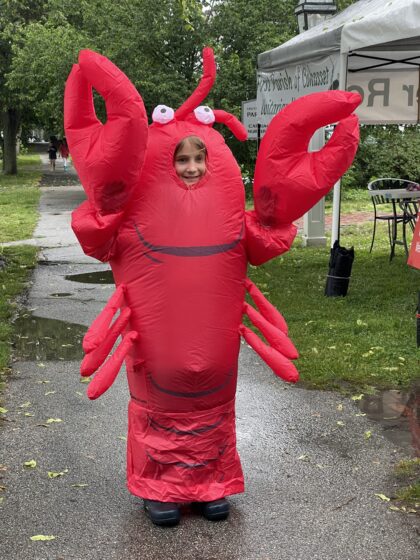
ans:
(372, 47)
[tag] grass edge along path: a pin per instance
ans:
(19, 260)
(19, 199)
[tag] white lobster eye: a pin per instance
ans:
(204, 114)
(162, 114)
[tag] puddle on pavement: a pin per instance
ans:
(399, 414)
(37, 338)
(101, 277)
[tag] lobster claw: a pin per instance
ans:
(289, 180)
(108, 157)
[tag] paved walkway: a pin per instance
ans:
(311, 475)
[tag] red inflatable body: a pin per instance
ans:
(179, 257)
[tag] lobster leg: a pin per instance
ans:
(97, 331)
(100, 339)
(281, 350)
(107, 374)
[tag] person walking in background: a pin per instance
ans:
(52, 153)
(64, 152)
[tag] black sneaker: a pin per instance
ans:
(162, 513)
(218, 510)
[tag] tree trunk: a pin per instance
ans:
(10, 129)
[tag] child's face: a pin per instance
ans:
(190, 164)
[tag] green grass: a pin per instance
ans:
(19, 198)
(408, 472)
(20, 260)
(359, 342)
(352, 200)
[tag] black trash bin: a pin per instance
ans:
(338, 278)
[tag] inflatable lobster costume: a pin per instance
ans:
(179, 258)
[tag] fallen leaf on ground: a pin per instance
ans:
(42, 538)
(52, 474)
(29, 414)
(383, 497)
(3, 410)
(340, 423)
(52, 420)
(85, 380)
(43, 381)
(49, 393)
(40, 364)
(303, 458)
(368, 434)
(124, 438)
(30, 464)
(80, 485)
(357, 397)
(25, 405)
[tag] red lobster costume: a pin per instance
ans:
(179, 258)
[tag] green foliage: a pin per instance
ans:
(385, 151)
(158, 45)
(45, 47)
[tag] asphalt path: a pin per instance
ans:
(311, 474)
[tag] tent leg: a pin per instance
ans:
(335, 227)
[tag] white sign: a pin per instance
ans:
(249, 118)
(388, 96)
(277, 89)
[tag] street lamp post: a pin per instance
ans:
(309, 14)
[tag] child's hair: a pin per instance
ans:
(195, 141)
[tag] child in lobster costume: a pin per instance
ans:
(165, 206)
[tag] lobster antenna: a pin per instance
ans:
(233, 124)
(203, 88)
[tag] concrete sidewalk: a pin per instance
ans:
(310, 482)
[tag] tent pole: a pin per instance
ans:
(335, 226)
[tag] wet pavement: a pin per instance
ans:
(311, 472)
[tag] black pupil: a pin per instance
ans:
(163, 110)
(206, 109)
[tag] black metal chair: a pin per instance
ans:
(411, 210)
(386, 210)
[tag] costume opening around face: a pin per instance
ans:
(179, 258)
